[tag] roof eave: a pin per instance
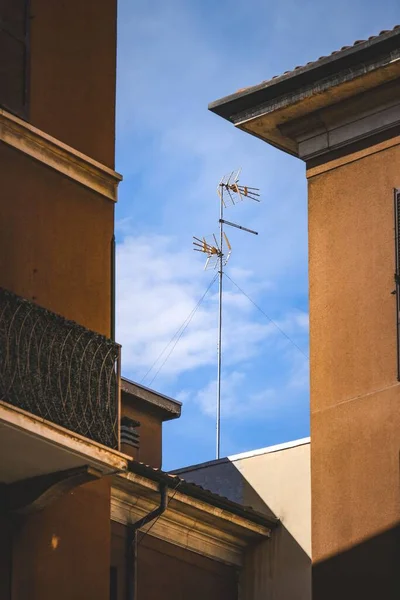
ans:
(290, 81)
(197, 492)
(262, 110)
(167, 407)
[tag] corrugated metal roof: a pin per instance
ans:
(196, 491)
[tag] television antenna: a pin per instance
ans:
(218, 252)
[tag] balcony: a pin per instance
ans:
(58, 370)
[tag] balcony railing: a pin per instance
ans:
(59, 370)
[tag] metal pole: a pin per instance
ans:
(219, 347)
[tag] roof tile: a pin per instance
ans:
(342, 49)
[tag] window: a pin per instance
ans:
(397, 273)
(14, 36)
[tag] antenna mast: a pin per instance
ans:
(219, 342)
(230, 193)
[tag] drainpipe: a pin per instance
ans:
(131, 554)
(112, 295)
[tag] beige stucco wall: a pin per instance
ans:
(272, 480)
(279, 480)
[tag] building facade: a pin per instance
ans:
(85, 511)
(143, 412)
(341, 115)
(275, 481)
(58, 192)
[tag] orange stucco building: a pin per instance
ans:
(341, 116)
(58, 191)
(85, 511)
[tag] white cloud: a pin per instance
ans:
(172, 153)
(173, 58)
(237, 401)
(240, 401)
(158, 286)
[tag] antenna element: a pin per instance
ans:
(218, 254)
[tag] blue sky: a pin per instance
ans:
(174, 57)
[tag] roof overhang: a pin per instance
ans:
(265, 110)
(167, 408)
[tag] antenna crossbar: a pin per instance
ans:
(238, 226)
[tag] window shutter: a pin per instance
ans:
(14, 59)
(397, 273)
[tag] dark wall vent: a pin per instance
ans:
(129, 432)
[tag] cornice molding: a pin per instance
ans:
(353, 157)
(132, 482)
(326, 134)
(187, 522)
(176, 528)
(40, 146)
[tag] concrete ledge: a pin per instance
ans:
(31, 446)
(58, 156)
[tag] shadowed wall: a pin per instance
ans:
(63, 551)
(168, 571)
